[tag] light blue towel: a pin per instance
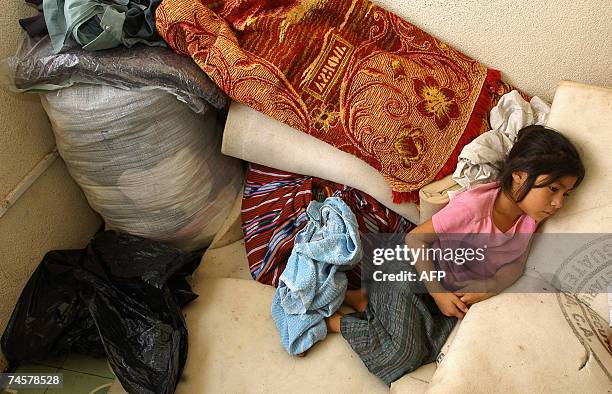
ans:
(313, 285)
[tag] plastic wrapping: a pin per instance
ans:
(36, 68)
(120, 297)
(147, 164)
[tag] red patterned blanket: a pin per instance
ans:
(346, 72)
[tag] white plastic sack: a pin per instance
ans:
(147, 164)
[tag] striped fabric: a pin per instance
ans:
(401, 329)
(274, 210)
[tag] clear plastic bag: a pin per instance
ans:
(36, 68)
(147, 164)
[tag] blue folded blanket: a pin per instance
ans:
(313, 286)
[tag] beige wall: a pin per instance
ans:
(53, 213)
(535, 43)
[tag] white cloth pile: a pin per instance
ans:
(480, 160)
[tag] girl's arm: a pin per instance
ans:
(422, 236)
(449, 304)
(473, 291)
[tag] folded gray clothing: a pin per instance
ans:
(37, 67)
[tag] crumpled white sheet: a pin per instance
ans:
(480, 160)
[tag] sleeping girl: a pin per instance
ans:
(402, 325)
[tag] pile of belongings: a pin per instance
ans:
(154, 79)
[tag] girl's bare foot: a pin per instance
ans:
(333, 322)
(357, 299)
(333, 325)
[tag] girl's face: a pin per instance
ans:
(540, 203)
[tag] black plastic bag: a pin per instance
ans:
(121, 296)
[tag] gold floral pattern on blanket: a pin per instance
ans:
(344, 71)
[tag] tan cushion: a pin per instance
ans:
(229, 261)
(257, 138)
(522, 342)
(234, 347)
(410, 385)
(584, 114)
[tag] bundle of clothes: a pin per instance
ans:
(139, 128)
(346, 72)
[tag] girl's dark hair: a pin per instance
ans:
(539, 150)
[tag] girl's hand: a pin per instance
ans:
(473, 291)
(472, 298)
(450, 305)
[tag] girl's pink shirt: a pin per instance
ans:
(469, 216)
